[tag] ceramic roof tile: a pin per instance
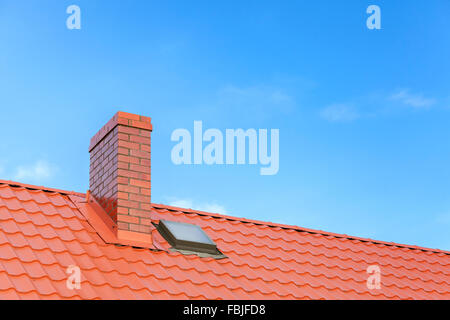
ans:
(43, 233)
(25, 254)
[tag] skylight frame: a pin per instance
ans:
(181, 244)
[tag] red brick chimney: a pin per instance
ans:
(120, 172)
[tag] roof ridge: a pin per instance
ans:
(234, 218)
(42, 188)
(297, 228)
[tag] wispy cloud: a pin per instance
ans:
(340, 113)
(189, 204)
(417, 101)
(37, 172)
(171, 46)
(374, 105)
(263, 96)
(443, 218)
(238, 104)
(256, 101)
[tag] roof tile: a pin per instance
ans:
(42, 233)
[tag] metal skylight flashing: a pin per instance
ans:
(185, 237)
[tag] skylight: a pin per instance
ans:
(185, 236)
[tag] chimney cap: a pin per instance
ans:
(122, 118)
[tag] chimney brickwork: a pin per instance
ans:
(120, 171)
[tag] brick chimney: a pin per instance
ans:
(119, 177)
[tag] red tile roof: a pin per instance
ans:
(43, 232)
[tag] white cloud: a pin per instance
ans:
(189, 204)
(417, 101)
(339, 113)
(36, 172)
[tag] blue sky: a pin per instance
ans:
(363, 114)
